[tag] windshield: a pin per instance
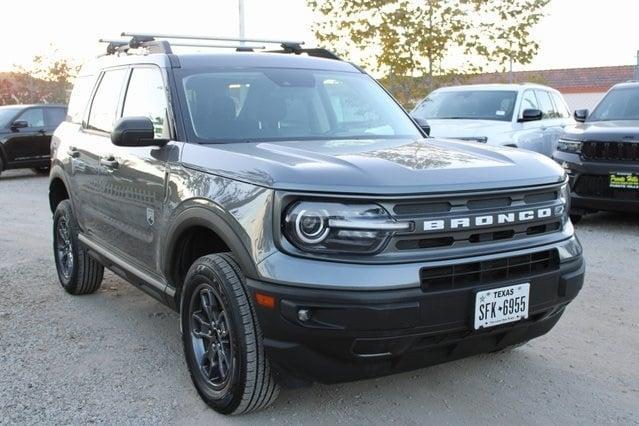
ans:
(290, 104)
(618, 104)
(468, 104)
(7, 113)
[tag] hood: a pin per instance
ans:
(623, 130)
(383, 167)
(467, 128)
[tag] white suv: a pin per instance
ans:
(528, 116)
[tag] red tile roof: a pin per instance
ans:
(570, 80)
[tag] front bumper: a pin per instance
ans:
(588, 197)
(353, 334)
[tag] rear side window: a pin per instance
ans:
(106, 101)
(560, 105)
(33, 116)
(54, 116)
(146, 97)
(545, 104)
(79, 98)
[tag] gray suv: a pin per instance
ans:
(300, 222)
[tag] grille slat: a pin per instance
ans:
(489, 271)
(610, 151)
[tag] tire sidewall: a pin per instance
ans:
(227, 399)
(64, 211)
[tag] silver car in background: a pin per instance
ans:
(529, 116)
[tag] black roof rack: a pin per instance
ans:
(151, 44)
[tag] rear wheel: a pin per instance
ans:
(78, 272)
(222, 340)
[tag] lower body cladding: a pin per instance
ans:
(331, 336)
(601, 185)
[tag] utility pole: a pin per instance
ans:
(241, 15)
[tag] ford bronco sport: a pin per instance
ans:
(299, 221)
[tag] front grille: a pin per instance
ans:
(610, 151)
(488, 271)
(599, 187)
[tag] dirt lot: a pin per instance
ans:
(116, 356)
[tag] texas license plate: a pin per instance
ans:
(624, 181)
(501, 305)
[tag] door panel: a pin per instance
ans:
(135, 191)
(29, 145)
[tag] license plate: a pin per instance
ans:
(501, 305)
(624, 181)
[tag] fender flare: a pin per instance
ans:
(58, 173)
(202, 213)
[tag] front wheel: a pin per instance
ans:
(575, 218)
(222, 340)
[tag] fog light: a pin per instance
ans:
(304, 315)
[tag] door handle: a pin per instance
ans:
(73, 152)
(110, 162)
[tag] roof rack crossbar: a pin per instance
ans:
(213, 38)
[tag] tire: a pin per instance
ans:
(44, 171)
(576, 218)
(1, 166)
(244, 382)
(78, 272)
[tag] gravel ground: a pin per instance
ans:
(116, 356)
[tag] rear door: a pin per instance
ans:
(25, 145)
(95, 181)
(136, 187)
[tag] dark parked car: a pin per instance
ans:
(300, 221)
(601, 154)
(25, 135)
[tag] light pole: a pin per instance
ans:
(241, 17)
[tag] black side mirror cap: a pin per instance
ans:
(581, 115)
(423, 124)
(135, 131)
(19, 124)
(531, 115)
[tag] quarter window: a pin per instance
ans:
(146, 97)
(80, 98)
(106, 101)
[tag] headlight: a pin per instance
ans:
(564, 196)
(566, 145)
(324, 227)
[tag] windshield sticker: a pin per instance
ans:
(500, 113)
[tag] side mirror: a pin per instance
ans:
(19, 124)
(134, 131)
(581, 115)
(423, 124)
(531, 115)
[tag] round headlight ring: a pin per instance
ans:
(311, 227)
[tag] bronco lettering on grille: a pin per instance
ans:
(479, 221)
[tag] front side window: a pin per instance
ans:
(146, 97)
(618, 104)
(106, 101)
(33, 116)
(468, 104)
(528, 101)
(289, 104)
(545, 105)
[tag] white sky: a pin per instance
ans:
(576, 33)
